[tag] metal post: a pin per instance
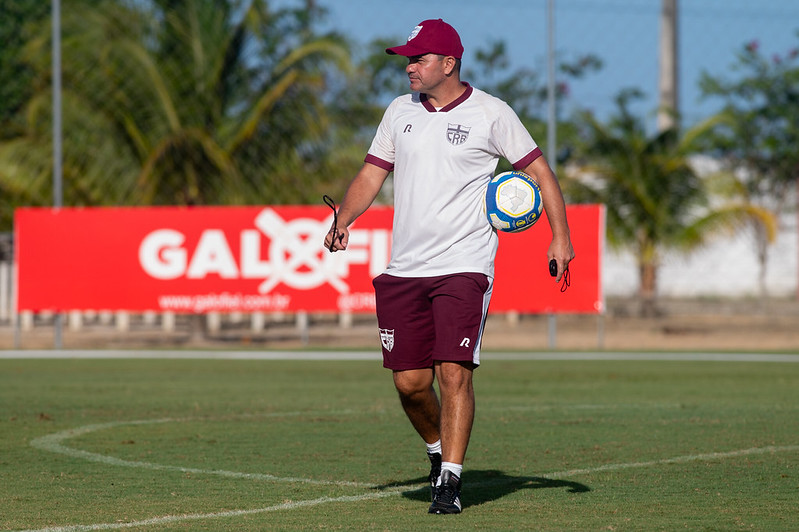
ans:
(303, 325)
(58, 193)
(552, 125)
(551, 101)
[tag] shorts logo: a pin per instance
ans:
(457, 134)
(387, 338)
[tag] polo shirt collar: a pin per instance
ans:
(459, 100)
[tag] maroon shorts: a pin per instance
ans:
(426, 319)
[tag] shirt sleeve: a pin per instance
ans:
(381, 153)
(511, 139)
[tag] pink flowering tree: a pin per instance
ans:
(758, 133)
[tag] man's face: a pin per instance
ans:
(425, 72)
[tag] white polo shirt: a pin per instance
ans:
(442, 162)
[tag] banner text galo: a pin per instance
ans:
(264, 259)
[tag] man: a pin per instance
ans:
(442, 142)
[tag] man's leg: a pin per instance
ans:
(420, 402)
(457, 417)
(457, 409)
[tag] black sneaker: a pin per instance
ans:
(448, 495)
(435, 471)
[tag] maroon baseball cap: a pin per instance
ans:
(431, 37)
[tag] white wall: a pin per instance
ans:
(727, 267)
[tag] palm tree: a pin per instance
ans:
(184, 102)
(655, 200)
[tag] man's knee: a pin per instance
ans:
(413, 382)
(454, 375)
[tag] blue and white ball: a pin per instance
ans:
(513, 202)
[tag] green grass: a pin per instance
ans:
(572, 445)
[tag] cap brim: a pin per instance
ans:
(406, 50)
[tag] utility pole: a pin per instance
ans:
(669, 72)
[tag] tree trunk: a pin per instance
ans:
(761, 241)
(647, 291)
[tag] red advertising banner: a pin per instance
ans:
(521, 269)
(201, 259)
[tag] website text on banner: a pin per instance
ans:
(260, 259)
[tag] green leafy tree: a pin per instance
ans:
(758, 132)
(181, 102)
(25, 108)
(655, 200)
(525, 90)
(18, 22)
(19, 19)
(354, 104)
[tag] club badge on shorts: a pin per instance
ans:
(387, 338)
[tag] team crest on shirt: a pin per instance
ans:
(387, 338)
(457, 134)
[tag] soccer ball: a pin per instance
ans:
(513, 202)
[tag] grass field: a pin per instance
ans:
(163, 444)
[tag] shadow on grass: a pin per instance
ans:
(483, 486)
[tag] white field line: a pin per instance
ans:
(54, 441)
(167, 519)
(374, 355)
(704, 457)
(396, 491)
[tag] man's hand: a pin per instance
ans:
(337, 238)
(562, 253)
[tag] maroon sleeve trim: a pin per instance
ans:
(522, 163)
(377, 161)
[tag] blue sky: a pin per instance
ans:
(623, 33)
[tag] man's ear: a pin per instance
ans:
(449, 65)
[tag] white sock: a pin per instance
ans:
(455, 469)
(433, 448)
